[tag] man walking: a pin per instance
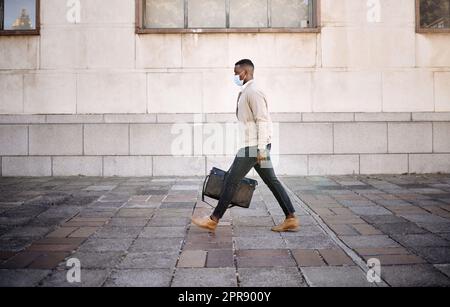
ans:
(252, 111)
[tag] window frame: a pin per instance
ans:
(140, 29)
(420, 29)
(35, 31)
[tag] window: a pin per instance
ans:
(196, 16)
(433, 15)
(19, 17)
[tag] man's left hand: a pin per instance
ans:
(262, 156)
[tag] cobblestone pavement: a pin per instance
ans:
(137, 232)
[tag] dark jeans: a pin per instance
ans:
(243, 162)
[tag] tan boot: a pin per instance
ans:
(289, 224)
(205, 223)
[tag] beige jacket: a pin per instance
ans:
(253, 113)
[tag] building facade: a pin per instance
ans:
(144, 88)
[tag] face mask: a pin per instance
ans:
(238, 81)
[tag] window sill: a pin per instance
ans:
(223, 30)
(430, 31)
(19, 32)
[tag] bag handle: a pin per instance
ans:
(203, 191)
(204, 185)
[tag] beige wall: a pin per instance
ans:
(350, 69)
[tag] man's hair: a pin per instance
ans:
(245, 62)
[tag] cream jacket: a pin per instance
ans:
(253, 114)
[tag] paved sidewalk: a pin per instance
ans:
(137, 232)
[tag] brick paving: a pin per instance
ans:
(137, 232)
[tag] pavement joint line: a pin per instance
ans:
(308, 283)
(358, 260)
(233, 247)
(180, 251)
(122, 257)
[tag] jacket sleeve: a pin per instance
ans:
(259, 108)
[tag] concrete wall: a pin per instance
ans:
(95, 98)
(137, 145)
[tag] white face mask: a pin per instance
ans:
(238, 81)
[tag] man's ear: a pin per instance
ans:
(246, 72)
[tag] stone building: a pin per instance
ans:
(144, 87)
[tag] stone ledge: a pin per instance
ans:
(143, 166)
(328, 117)
(22, 119)
(308, 117)
(382, 117)
(181, 118)
(129, 118)
(74, 119)
(431, 116)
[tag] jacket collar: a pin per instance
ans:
(247, 85)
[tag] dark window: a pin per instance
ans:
(433, 15)
(227, 16)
